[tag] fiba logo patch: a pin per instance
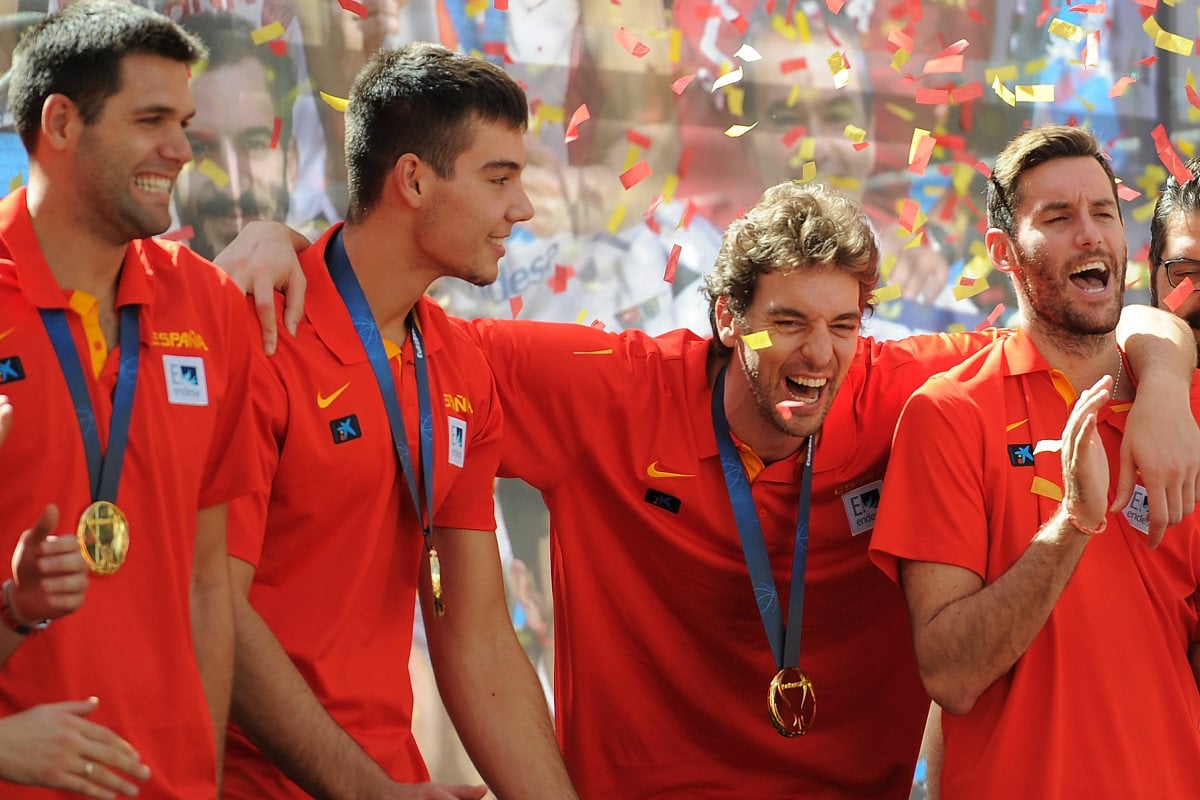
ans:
(186, 381)
(862, 504)
(1137, 513)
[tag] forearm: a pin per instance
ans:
(965, 646)
(10, 640)
(490, 689)
(276, 708)
(1159, 345)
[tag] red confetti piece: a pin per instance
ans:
(1192, 97)
(1147, 3)
(741, 24)
(497, 49)
(1148, 61)
(943, 64)
(1168, 156)
(1120, 86)
(635, 174)
(278, 47)
(597, 324)
(908, 213)
(966, 282)
(672, 263)
(899, 40)
(688, 213)
(500, 5)
(276, 129)
(921, 158)
(580, 116)
(792, 65)
(932, 97)
(354, 7)
(991, 318)
(184, 234)
(1090, 8)
(654, 204)
(794, 135)
(1180, 293)
(516, 304)
(860, 146)
(682, 83)
(1127, 192)
(558, 281)
(640, 139)
(835, 6)
(968, 91)
(631, 43)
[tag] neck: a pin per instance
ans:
(392, 287)
(78, 259)
(746, 421)
(1084, 359)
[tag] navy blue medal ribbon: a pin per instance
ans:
(372, 341)
(784, 639)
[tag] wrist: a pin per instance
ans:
(1082, 526)
(13, 618)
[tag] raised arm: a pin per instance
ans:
(1162, 441)
(261, 260)
(486, 681)
(966, 635)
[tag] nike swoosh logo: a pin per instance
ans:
(654, 472)
(323, 402)
(607, 352)
(4, 335)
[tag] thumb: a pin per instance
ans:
(41, 529)
(1126, 480)
(81, 708)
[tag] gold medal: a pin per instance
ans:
(103, 535)
(435, 578)
(792, 702)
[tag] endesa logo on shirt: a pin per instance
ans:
(186, 381)
(861, 505)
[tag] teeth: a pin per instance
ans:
(1093, 266)
(812, 383)
(153, 184)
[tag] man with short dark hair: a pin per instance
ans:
(135, 353)
(1175, 248)
(1025, 566)
(380, 430)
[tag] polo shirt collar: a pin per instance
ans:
(329, 317)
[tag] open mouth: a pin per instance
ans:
(1091, 277)
(153, 184)
(804, 391)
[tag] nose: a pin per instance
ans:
(521, 208)
(817, 347)
(177, 147)
(1087, 233)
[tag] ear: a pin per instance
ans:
(1000, 249)
(411, 177)
(728, 328)
(61, 121)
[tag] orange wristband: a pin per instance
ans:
(1084, 529)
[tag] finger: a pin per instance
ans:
(6, 413)
(107, 782)
(63, 563)
(1127, 477)
(468, 791)
(264, 307)
(293, 303)
(43, 528)
(1157, 499)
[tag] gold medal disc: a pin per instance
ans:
(792, 702)
(103, 535)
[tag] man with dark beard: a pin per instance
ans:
(1175, 249)
(1017, 597)
(242, 168)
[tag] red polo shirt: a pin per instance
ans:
(131, 643)
(1104, 702)
(662, 665)
(337, 565)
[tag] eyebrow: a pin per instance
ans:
(502, 163)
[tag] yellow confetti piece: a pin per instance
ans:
(904, 113)
(917, 240)
(670, 184)
(1003, 92)
(962, 292)
(616, 218)
(736, 97)
(582, 316)
(783, 29)
(1005, 73)
(802, 30)
(675, 47)
(979, 250)
(961, 177)
(336, 103)
(1035, 66)
(807, 149)
(885, 294)
(477, 7)
(734, 131)
(889, 263)
(759, 340)
(267, 32)
(808, 171)
(1143, 213)
(794, 96)
(1044, 488)
(554, 114)
(1060, 27)
(851, 186)
(1173, 43)
(1036, 93)
(632, 155)
(1091, 107)
(1186, 149)
(855, 134)
(16, 182)
(900, 59)
(214, 173)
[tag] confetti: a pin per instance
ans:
(1127, 192)
(1167, 155)
(267, 32)
(631, 43)
(354, 7)
(515, 303)
(1064, 29)
(969, 287)
(759, 340)
(747, 53)
(991, 318)
(640, 139)
(682, 83)
(968, 91)
(500, 5)
(334, 102)
(1044, 488)
(558, 281)
(834, 6)
(672, 263)
(885, 294)
(729, 78)
(1121, 85)
(1037, 93)
(1003, 92)
(278, 46)
(580, 116)
(1180, 293)
(276, 130)
(214, 173)
(735, 131)
(792, 65)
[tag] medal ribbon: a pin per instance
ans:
(372, 341)
(104, 468)
(784, 640)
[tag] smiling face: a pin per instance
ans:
(1181, 240)
(813, 318)
(470, 213)
(1068, 252)
(126, 162)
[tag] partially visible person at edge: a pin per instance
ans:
(1175, 248)
(434, 154)
(649, 569)
(43, 745)
(134, 353)
(1039, 564)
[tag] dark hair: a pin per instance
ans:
(421, 99)
(1030, 149)
(794, 226)
(78, 52)
(1173, 198)
(229, 40)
